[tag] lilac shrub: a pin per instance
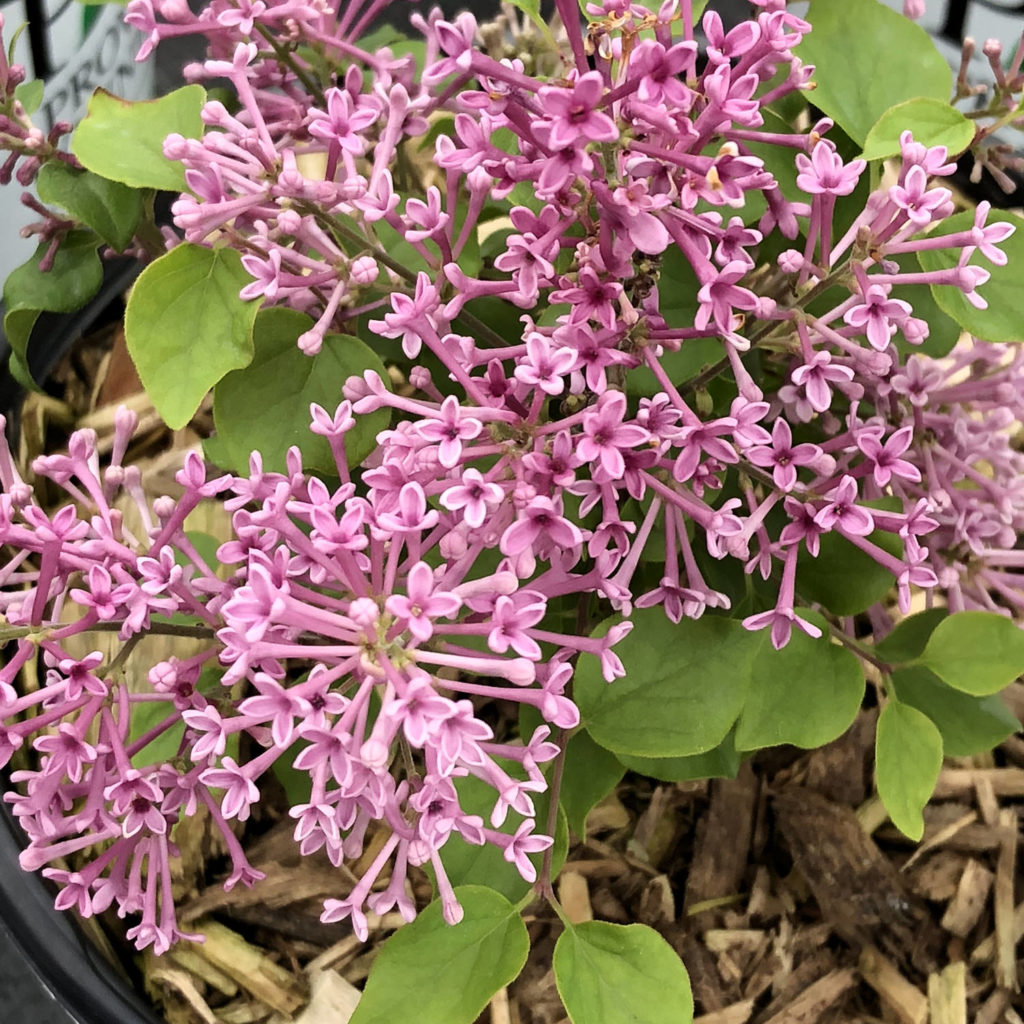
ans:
(656, 352)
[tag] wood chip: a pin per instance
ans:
(985, 951)
(202, 968)
(1006, 941)
(332, 1000)
(574, 895)
(986, 798)
(947, 995)
(908, 1003)
(937, 878)
(738, 1013)
(971, 894)
(250, 967)
(181, 982)
(719, 940)
(723, 840)
(993, 1007)
(960, 782)
(941, 837)
(856, 886)
(500, 1010)
(808, 1007)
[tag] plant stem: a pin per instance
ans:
(543, 885)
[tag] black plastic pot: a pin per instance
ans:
(63, 959)
(66, 963)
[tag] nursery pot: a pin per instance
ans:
(73, 49)
(64, 960)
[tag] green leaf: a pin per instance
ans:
(695, 674)
(186, 327)
(908, 756)
(28, 291)
(148, 715)
(590, 774)
(968, 725)
(281, 382)
(806, 695)
(620, 974)
(467, 864)
(444, 974)
(721, 763)
(30, 95)
(976, 652)
(910, 637)
(943, 331)
(1003, 320)
(111, 209)
(843, 578)
(933, 123)
(868, 57)
(123, 140)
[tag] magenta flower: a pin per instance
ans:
(343, 121)
(605, 435)
(878, 316)
(422, 603)
(721, 294)
(240, 792)
(474, 496)
(824, 173)
(449, 430)
(572, 116)
(885, 458)
(783, 457)
(842, 512)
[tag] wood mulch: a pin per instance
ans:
(786, 891)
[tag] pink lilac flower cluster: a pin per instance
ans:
(361, 629)
(368, 619)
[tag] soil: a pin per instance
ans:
(786, 891)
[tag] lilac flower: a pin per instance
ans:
(423, 603)
(606, 435)
(572, 116)
(842, 512)
(783, 457)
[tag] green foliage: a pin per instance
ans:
(148, 715)
(706, 676)
(806, 695)
(976, 652)
(933, 122)
(968, 725)
(186, 327)
(28, 291)
(910, 636)
(695, 674)
(908, 756)
(111, 209)
(123, 140)
(30, 95)
(844, 579)
(943, 331)
(721, 763)
(868, 57)
(620, 974)
(1003, 320)
(590, 774)
(444, 974)
(280, 384)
